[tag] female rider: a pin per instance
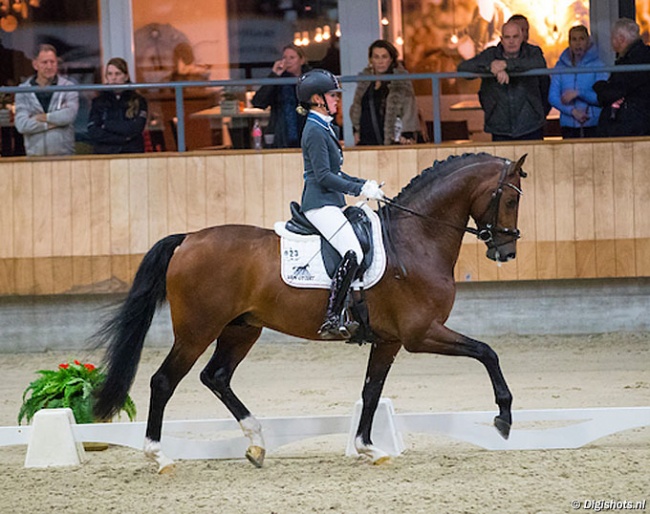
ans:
(325, 186)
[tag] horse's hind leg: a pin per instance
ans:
(163, 383)
(380, 361)
(233, 345)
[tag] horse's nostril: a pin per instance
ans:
(510, 256)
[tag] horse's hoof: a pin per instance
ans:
(167, 469)
(256, 454)
(381, 460)
(502, 426)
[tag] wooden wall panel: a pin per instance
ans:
(100, 224)
(82, 224)
(177, 195)
(23, 229)
(565, 223)
(274, 208)
(624, 208)
(7, 210)
(642, 207)
(604, 217)
(61, 227)
(584, 216)
(235, 189)
(138, 206)
(197, 194)
(215, 185)
(157, 187)
(253, 189)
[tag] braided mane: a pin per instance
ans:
(438, 172)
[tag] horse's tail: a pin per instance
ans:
(125, 331)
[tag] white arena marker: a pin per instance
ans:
(384, 433)
(52, 442)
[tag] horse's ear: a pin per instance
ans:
(519, 164)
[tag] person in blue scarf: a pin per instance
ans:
(325, 185)
(573, 94)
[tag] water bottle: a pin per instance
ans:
(256, 135)
(398, 129)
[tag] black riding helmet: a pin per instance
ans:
(316, 82)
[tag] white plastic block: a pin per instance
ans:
(52, 442)
(384, 433)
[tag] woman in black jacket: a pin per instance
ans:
(285, 124)
(117, 118)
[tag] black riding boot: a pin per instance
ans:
(345, 274)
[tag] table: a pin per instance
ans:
(239, 124)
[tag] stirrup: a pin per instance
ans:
(329, 329)
(348, 330)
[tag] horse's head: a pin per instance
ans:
(497, 225)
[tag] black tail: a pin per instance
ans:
(125, 331)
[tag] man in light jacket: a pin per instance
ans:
(46, 118)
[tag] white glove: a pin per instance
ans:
(371, 190)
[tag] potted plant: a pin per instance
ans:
(71, 385)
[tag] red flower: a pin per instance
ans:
(89, 366)
(77, 362)
(65, 365)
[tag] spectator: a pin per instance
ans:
(514, 108)
(117, 118)
(284, 123)
(544, 80)
(625, 96)
(384, 112)
(46, 118)
(573, 95)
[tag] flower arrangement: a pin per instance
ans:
(71, 385)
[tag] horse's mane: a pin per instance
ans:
(436, 173)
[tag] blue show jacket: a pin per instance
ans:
(325, 183)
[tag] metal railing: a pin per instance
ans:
(435, 79)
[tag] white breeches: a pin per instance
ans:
(335, 227)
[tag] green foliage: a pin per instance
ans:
(71, 385)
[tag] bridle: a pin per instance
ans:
(487, 232)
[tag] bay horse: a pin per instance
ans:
(223, 283)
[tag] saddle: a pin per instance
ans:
(355, 313)
(361, 224)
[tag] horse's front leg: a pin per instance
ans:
(439, 339)
(380, 361)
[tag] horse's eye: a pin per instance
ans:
(512, 203)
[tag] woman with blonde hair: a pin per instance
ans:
(117, 118)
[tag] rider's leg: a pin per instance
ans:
(332, 327)
(334, 226)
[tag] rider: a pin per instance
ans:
(323, 198)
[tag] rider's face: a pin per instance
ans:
(332, 100)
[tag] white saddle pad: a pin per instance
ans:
(302, 262)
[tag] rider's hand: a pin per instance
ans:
(372, 190)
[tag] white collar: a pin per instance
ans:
(327, 119)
